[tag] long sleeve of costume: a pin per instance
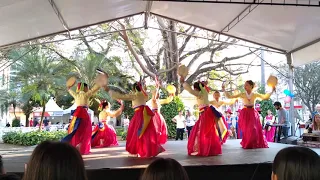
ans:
(93, 90)
(116, 113)
(188, 88)
(72, 93)
(126, 97)
(229, 96)
(167, 100)
(263, 96)
(230, 102)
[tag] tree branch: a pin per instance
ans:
(125, 37)
(184, 44)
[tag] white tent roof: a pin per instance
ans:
(290, 29)
(71, 108)
(51, 106)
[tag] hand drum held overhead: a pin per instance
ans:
(183, 71)
(71, 81)
(272, 81)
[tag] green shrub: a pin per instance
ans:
(124, 136)
(16, 123)
(119, 131)
(32, 138)
(169, 111)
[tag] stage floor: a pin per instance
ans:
(117, 157)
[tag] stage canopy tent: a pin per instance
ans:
(287, 28)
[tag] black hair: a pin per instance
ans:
(216, 92)
(136, 86)
(251, 83)
(104, 104)
(277, 104)
(296, 163)
(196, 85)
(165, 169)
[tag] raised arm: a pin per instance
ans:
(228, 103)
(234, 96)
(228, 95)
(263, 96)
(117, 112)
(93, 90)
(72, 93)
(125, 97)
(167, 100)
(188, 88)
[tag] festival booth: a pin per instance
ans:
(52, 112)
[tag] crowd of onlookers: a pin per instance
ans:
(61, 161)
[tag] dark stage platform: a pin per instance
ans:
(113, 162)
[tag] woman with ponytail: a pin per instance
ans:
(104, 135)
(142, 138)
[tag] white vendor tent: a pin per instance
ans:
(73, 107)
(290, 26)
(52, 109)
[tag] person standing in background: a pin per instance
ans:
(180, 120)
(126, 123)
(190, 121)
(283, 119)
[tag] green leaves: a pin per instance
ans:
(32, 138)
(169, 111)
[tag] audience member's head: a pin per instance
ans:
(55, 161)
(298, 163)
(9, 177)
(165, 169)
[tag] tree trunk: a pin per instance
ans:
(42, 115)
(27, 120)
(14, 110)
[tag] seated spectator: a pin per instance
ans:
(165, 169)
(296, 163)
(55, 161)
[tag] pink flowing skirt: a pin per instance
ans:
(249, 123)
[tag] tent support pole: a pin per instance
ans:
(291, 112)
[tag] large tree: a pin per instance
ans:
(177, 44)
(306, 83)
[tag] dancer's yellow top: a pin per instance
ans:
(137, 98)
(202, 96)
(219, 103)
(248, 99)
(83, 93)
(82, 98)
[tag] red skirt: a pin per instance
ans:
(103, 136)
(270, 134)
(142, 137)
(250, 125)
(204, 139)
(161, 126)
(80, 130)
